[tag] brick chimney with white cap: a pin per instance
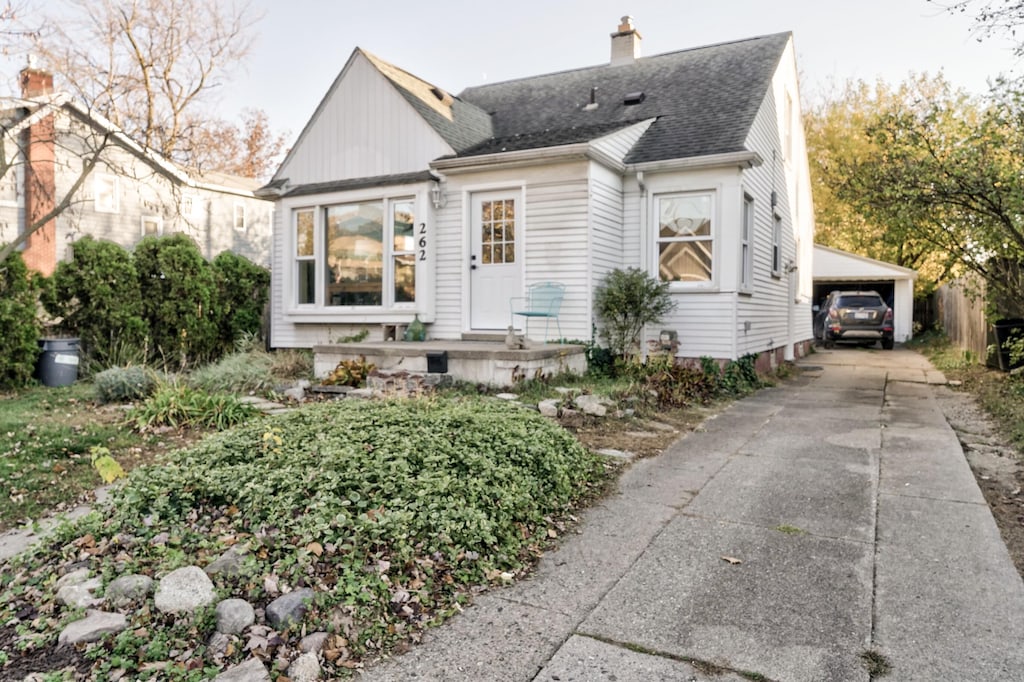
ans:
(625, 43)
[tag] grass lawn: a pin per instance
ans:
(45, 437)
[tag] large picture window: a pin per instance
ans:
(358, 254)
(685, 242)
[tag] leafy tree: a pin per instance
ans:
(97, 294)
(992, 17)
(179, 300)
(250, 150)
(626, 301)
(18, 327)
(947, 172)
(838, 139)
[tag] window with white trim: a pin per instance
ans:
(239, 218)
(152, 226)
(358, 254)
(685, 241)
(106, 191)
(305, 256)
(777, 246)
(746, 244)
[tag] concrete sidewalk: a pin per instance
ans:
(786, 537)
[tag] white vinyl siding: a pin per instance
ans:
(606, 226)
(378, 130)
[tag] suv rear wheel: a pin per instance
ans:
(887, 343)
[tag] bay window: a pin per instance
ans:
(685, 241)
(357, 254)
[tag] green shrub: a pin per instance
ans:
(236, 373)
(626, 301)
(243, 288)
(97, 296)
(350, 373)
(124, 384)
(178, 405)
(179, 300)
(395, 512)
(19, 328)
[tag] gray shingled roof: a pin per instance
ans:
(705, 100)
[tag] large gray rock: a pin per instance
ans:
(234, 616)
(548, 408)
(183, 591)
(313, 642)
(297, 394)
(252, 670)
(592, 404)
(127, 589)
(305, 668)
(76, 577)
(79, 595)
(231, 563)
(289, 609)
(92, 627)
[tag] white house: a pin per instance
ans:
(131, 192)
(400, 199)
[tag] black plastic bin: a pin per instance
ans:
(58, 362)
(1005, 330)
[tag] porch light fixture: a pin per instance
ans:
(438, 197)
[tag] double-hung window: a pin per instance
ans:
(685, 239)
(357, 254)
(746, 245)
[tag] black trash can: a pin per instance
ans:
(58, 362)
(1006, 330)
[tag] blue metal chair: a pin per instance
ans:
(543, 299)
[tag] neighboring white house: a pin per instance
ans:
(399, 198)
(131, 192)
(835, 269)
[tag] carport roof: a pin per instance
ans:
(836, 265)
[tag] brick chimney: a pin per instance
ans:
(40, 252)
(35, 82)
(625, 43)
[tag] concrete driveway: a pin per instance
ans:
(798, 535)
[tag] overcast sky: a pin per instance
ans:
(303, 44)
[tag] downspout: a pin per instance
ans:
(645, 247)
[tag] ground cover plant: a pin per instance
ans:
(394, 512)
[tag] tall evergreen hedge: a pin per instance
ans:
(19, 328)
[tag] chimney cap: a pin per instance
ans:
(627, 24)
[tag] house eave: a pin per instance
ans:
(742, 159)
(516, 159)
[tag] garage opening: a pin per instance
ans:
(885, 288)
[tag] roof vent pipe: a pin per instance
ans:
(593, 100)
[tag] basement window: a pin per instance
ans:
(633, 98)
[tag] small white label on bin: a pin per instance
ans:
(62, 359)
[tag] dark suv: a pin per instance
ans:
(857, 316)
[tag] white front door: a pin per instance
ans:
(495, 254)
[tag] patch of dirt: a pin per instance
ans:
(998, 466)
(642, 437)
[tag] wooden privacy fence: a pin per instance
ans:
(960, 307)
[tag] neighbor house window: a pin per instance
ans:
(777, 246)
(746, 244)
(305, 256)
(239, 220)
(152, 225)
(361, 253)
(106, 191)
(187, 206)
(685, 242)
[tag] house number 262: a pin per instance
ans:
(422, 242)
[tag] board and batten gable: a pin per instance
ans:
(363, 128)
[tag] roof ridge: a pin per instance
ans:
(639, 59)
